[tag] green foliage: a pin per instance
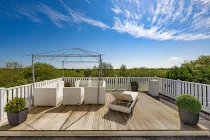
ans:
(67, 84)
(193, 71)
(134, 83)
(107, 70)
(123, 71)
(14, 74)
(188, 103)
(44, 71)
(87, 72)
(15, 105)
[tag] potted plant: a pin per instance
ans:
(67, 84)
(16, 111)
(189, 108)
(134, 85)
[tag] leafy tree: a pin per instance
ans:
(107, 70)
(43, 71)
(123, 70)
(195, 71)
(87, 72)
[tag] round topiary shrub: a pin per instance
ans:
(134, 83)
(188, 103)
(15, 105)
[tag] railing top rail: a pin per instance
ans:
(18, 86)
(186, 81)
(10, 88)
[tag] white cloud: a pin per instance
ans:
(78, 17)
(89, 2)
(56, 17)
(28, 11)
(158, 19)
(165, 19)
(205, 1)
(116, 9)
(175, 61)
(35, 11)
(174, 58)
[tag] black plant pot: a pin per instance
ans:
(15, 119)
(134, 88)
(188, 118)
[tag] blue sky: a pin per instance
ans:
(137, 33)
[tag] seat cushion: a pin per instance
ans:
(126, 95)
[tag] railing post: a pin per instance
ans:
(178, 87)
(208, 95)
(160, 85)
(2, 103)
(46, 82)
(89, 78)
(116, 83)
(128, 83)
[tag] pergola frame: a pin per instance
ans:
(69, 54)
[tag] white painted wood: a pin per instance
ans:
(160, 84)
(193, 90)
(185, 88)
(172, 87)
(178, 88)
(208, 94)
(196, 91)
(166, 86)
(182, 86)
(14, 92)
(189, 88)
(128, 83)
(18, 92)
(116, 83)
(204, 97)
(154, 88)
(9, 93)
(200, 93)
(23, 92)
(2, 103)
(27, 96)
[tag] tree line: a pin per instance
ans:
(14, 74)
(193, 71)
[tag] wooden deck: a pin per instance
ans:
(150, 118)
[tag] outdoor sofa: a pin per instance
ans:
(49, 95)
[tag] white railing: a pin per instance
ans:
(116, 83)
(174, 88)
(168, 87)
(24, 91)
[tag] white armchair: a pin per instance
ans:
(75, 95)
(91, 92)
(49, 95)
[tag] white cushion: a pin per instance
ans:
(126, 95)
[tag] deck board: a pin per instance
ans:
(149, 115)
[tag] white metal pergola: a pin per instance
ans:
(69, 53)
